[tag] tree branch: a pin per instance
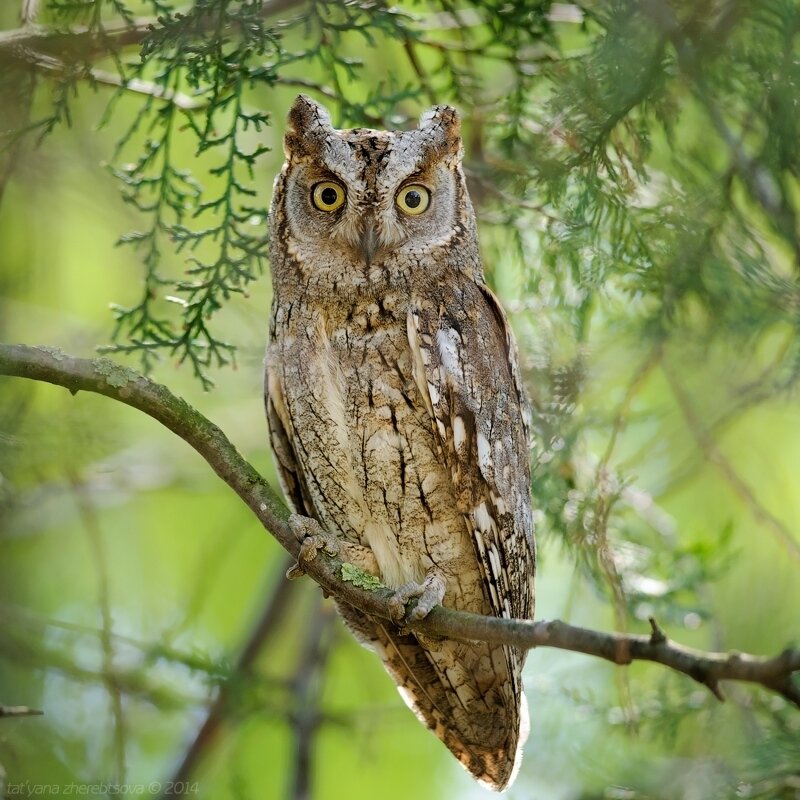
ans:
(279, 595)
(306, 714)
(716, 457)
(760, 183)
(19, 711)
(91, 524)
(120, 383)
(28, 41)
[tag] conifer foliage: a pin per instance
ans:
(635, 170)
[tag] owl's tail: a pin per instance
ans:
(462, 692)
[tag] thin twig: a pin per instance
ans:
(120, 383)
(33, 621)
(447, 20)
(765, 386)
(651, 360)
(15, 112)
(280, 592)
(140, 86)
(305, 83)
(716, 457)
(53, 65)
(487, 184)
(760, 184)
(416, 66)
(23, 648)
(603, 506)
(19, 711)
(91, 524)
(306, 686)
(88, 43)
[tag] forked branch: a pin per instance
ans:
(100, 375)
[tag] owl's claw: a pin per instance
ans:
(430, 593)
(312, 539)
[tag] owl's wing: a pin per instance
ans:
(464, 361)
(469, 407)
(291, 477)
(401, 653)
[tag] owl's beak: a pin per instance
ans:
(369, 242)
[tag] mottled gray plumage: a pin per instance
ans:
(396, 412)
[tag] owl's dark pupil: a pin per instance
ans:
(328, 196)
(413, 198)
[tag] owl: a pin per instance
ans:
(396, 412)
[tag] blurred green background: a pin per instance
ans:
(635, 176)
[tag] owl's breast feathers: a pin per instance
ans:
(399, 424)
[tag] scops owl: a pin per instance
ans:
(396, 412)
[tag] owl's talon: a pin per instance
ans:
(312, 539)
(303, 527)
(430, 593)
(294, 572)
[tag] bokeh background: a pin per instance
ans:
(634, 169)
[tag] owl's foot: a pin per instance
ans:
(312, 539)
(430, 593)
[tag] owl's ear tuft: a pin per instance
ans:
(309, 126)
(442, 125)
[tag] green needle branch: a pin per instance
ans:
(102, 376)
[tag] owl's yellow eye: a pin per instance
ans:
(413, 199)
(327, 196)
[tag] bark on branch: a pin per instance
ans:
(108, 378)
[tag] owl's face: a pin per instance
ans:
(359, 209)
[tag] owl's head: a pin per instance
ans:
(357, 209)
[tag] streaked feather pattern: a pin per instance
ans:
(396, 411)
